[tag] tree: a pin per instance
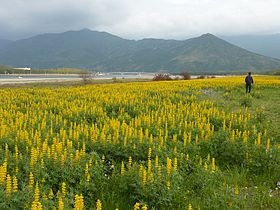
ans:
(185, 75)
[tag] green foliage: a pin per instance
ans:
(246, 101)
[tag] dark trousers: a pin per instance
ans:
(248, 88)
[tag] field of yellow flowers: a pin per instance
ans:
(197, 144)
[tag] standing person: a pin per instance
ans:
(249, 81)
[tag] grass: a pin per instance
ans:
(265, 100)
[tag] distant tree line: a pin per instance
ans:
(10, 70)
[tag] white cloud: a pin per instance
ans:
(140, 18)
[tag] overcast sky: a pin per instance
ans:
(136, 19)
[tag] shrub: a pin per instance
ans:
(201, 77)
(185, 75)
(86, 77)
(162, 77)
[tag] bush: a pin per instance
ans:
(185, 75)
(86, 77)
(162, 77)
(201, 77)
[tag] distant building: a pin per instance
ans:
(24, 69)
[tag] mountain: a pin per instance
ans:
(102, 51)
(4, 43)
(267, 45)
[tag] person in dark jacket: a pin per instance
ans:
(249, 81)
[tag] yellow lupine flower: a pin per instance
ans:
(136, 206)
(31, 180)
(98, 205)
(122, 169)
(63, 189)
(15, 184)
(60, 204)
(8, 185)
(213, 165)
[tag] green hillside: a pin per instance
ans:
(102, 51)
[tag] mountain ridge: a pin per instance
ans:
(103, 51)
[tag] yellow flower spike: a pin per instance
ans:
(259, 139)
(31, 180)
(205, 166)
(185, 139)
(144, 207)
(268, 145)
(3, 172)
(63, 189)
(196, 139)
(86, 170)
(79, 202)
(168, 185)
(150, 153)
(45, 197)
(144, 177)
(136, 206)
(168, 166)
(149, 166)
(51, 195)
(151, 178)
(6, 151)
(213, 165)
(77, 156)
(98, 205)
(175, 164)
(159, 173)
(15, 184)
(8, 186)
(122, 169)
(232, 135)
(60, 204)
(16, 153)
(190, 207)
(156, 162)
(129, 162)
(37, 193)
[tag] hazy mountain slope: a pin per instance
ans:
(105, 52)
(4, 43)
(268, 45)
(72, 49)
